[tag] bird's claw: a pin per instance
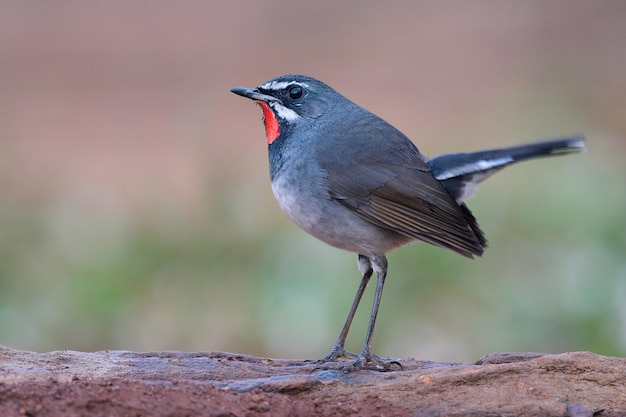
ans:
(336, 353)
(372, 362)
(363, 361)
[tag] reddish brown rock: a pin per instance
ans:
(70, 383)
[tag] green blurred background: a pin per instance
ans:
(136, 211)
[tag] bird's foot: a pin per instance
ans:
(372, 362)
(363, 361)
(335, 354)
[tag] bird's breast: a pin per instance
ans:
(309, 206)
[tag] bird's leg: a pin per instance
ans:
(338, 349)
(366, 360)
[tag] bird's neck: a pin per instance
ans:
(276, 154)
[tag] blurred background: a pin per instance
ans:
(136, 211)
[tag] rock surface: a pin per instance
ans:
(69, 383)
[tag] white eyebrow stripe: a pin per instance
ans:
(280, 85)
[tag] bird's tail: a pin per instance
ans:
(461, 173)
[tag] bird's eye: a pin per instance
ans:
(295, 92)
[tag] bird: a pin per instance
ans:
(355, 182)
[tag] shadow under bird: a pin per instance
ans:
(352, 180)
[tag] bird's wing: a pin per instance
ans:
(382, 177)
(409, 201)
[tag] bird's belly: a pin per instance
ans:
(333, 223)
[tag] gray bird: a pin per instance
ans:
(354, 181)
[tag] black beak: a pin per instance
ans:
(253, 94)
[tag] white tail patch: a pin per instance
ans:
(482, 165)
(574, 144)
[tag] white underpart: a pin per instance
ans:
(283, 112)
(469, 191)
(481, 165)
(471, 187)
(292, 205)
(280, 85)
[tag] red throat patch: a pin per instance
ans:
(272, 129)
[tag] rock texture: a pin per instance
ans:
(68, 383)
